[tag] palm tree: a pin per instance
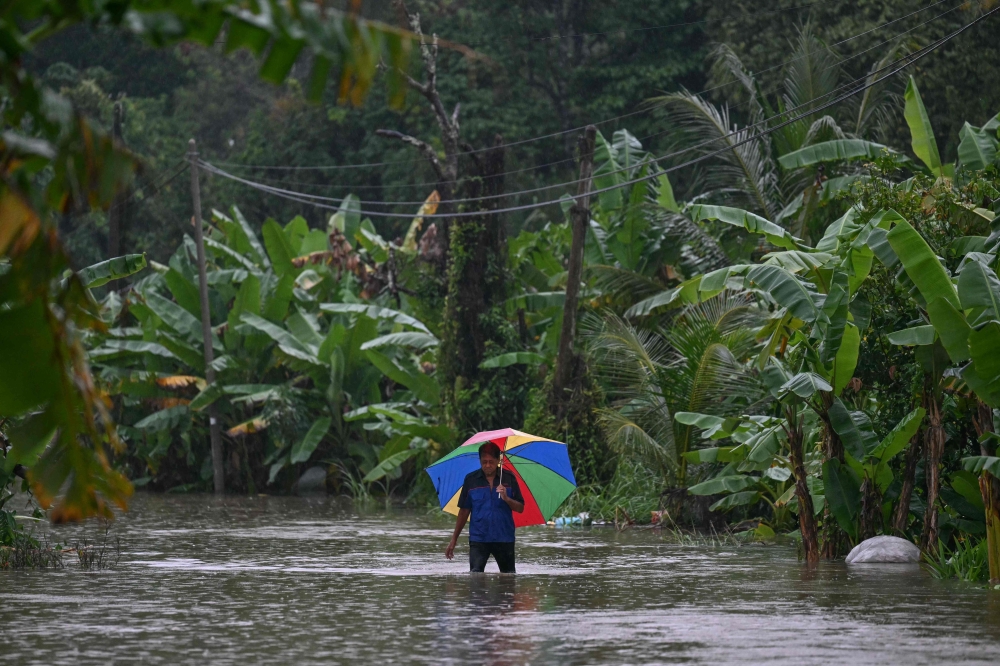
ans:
(748, 175)
(694, 362)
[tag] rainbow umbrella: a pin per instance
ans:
(540, 466)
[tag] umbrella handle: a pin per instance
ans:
(500, 482)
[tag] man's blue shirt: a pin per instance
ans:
(492, 520)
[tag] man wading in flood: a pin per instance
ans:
(492, 506)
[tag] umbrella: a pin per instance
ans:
(540, 466)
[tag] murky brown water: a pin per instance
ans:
(303, 581)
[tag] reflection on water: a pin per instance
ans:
(298, 580)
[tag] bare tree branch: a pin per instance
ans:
(425, 148)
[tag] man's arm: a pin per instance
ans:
(517, 506)
(463, 516)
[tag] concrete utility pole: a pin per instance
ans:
(117, 211)
(580, 218)
(215, 428)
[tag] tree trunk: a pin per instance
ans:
(580, 219)
(989, 486)
(870, 515)
(835, 542)
(933, 450)
(116, 212)
(902, 515)
(807, 519)
(476, 285)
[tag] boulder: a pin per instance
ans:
(883, 549)
(313, 480)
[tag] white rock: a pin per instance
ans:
(883, 549)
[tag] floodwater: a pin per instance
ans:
(285, 580)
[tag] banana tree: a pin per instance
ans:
(786, 441)
(855, 490)
(757, 468)
(697, 363)
(292, 356)
(963, 315)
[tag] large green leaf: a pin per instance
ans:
(116, 347)
(878, 242)
(607, 173)
(512, 358)
(112, 269)
(278, 248)
(977, 149)
(305, 328)
(712, 427)
(304, 448)
(979, 289)
(251, 237)
(921, 264)
(374, 312)
(984, 346)
(847, 358)
(753, 223)
(951, 327)
(287, 342)
(710, 455)
(977, 464)
(914, 336)
(276, 296)
(665, 194)
(30, 375)
(742, 498)
(174, 316)
(842, 490)
(165, 419)
(896, 440)
(389, 464)
(786, 289)
(347, 219)
(416, 339)
(805, 385)
(723, 484)
(921, 133)
(854, 428)
(424, 387)
(295, 232)
(184, 291)
(831, 151)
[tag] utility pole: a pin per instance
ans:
(117, 210)
(215, 428)
(580, 219)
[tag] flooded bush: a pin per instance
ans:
(968, 562)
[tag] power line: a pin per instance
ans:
(520, 141)
(318, 197)
(156, 188)
(662, 27)
(910, 58)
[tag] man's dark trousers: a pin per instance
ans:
(502, 552)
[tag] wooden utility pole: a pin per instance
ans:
(215, 428)
(580, 219)
(117, 210)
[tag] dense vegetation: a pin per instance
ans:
(796, 335)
